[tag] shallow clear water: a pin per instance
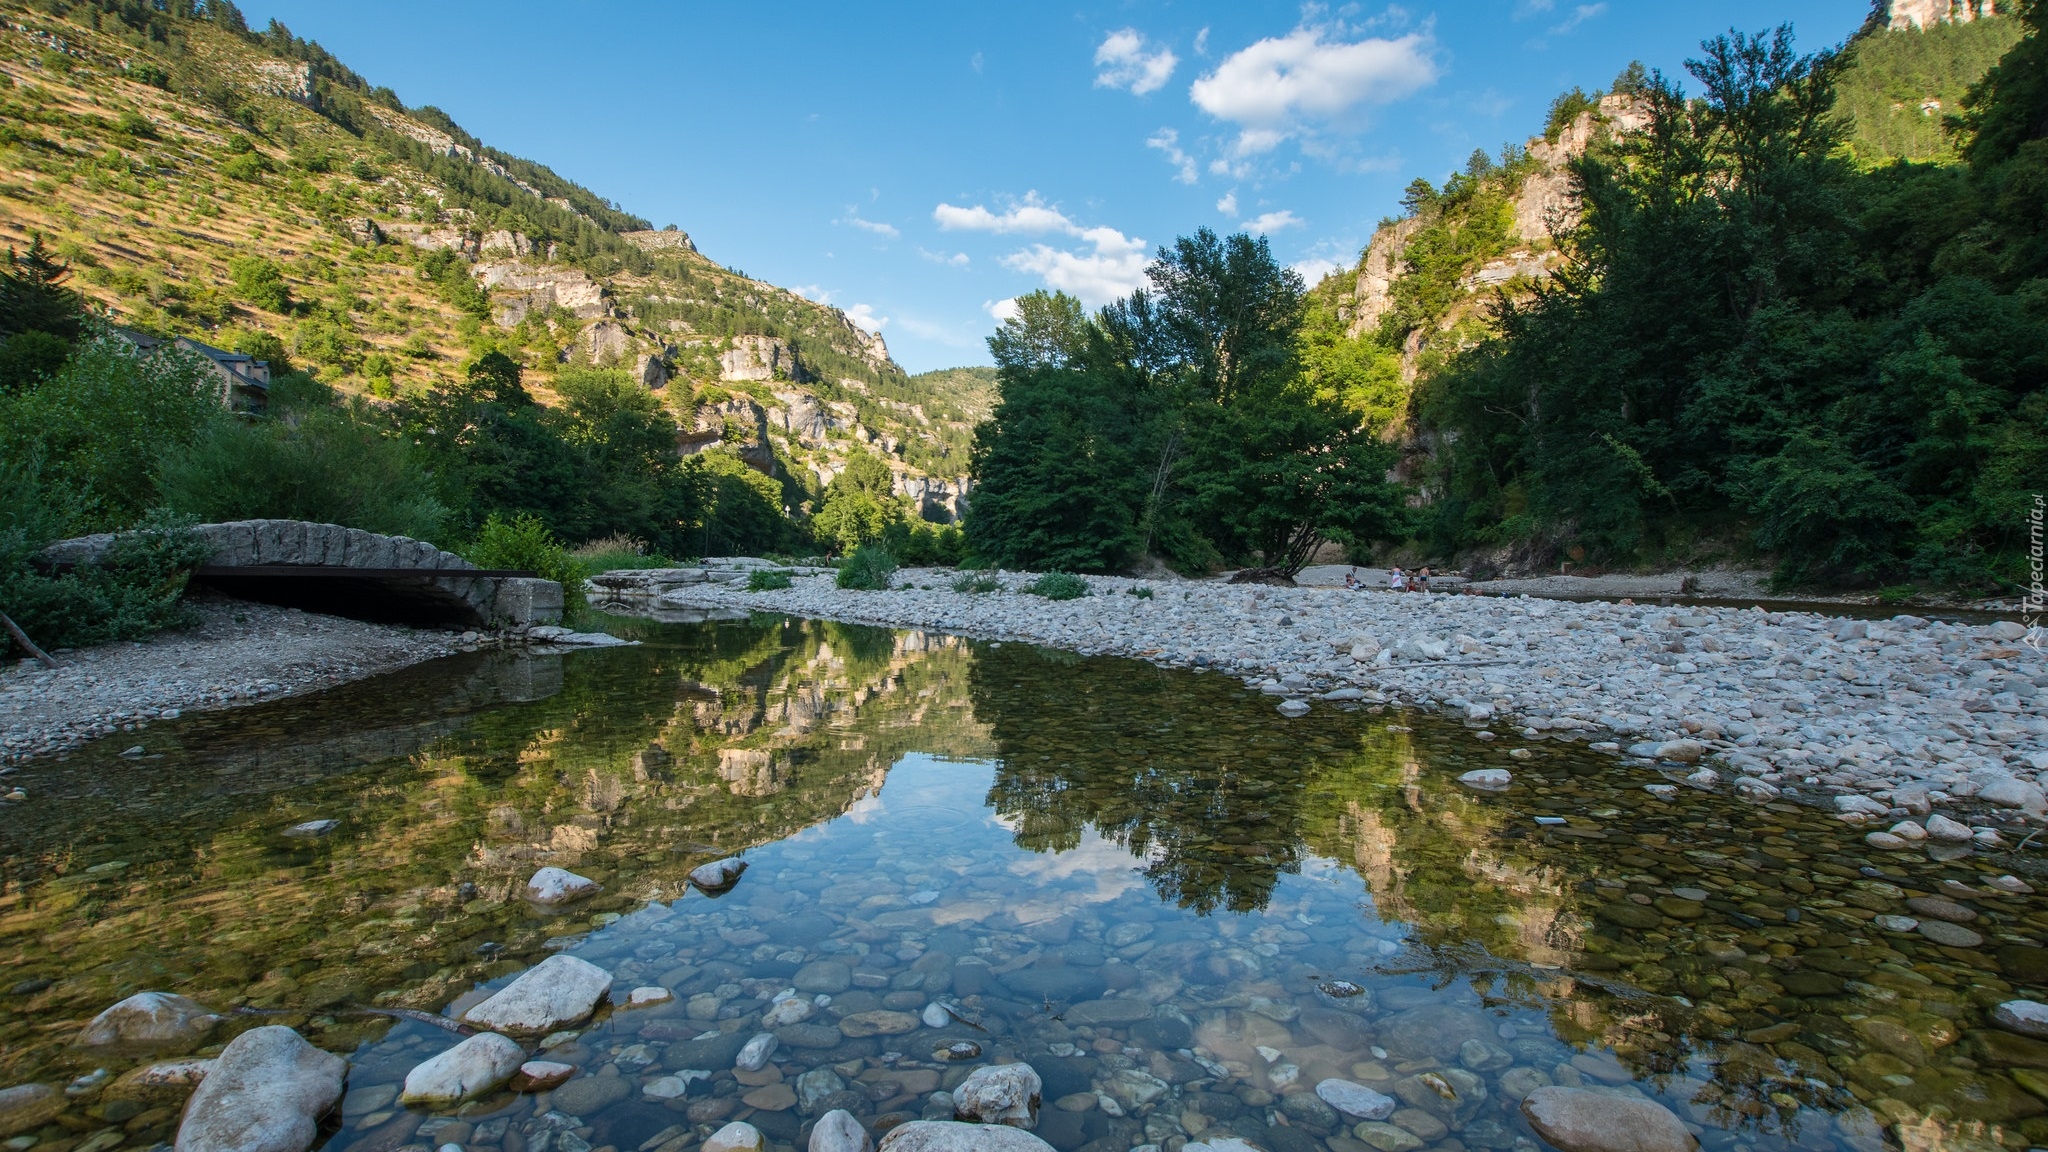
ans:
(1145, 883)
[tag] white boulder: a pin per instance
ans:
(149, 1020)
(472, 1068)
(266, 1093)
(737, 1136)
(559, 991)
(560, 886)
(953, 1136)
(838, 1131)
(999, 1094)
(1588, 1120)
(1356, 1100)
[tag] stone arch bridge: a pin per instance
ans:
(349, 572)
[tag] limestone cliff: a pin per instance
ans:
(1922, 14)
(1542, 206)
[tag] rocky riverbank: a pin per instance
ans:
(1883, 721)
(239, 653)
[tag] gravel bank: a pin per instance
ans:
(1881, 721)
(240, 653)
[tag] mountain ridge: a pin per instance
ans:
(250, 190)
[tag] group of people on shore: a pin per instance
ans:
(1397, 580)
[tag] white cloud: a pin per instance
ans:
(1580, 15)
(875, 226)
(1272, 222)
(974, 62)
(813, 292)
(1029, 215)
(1314, 268)
(1111, 268)
(1123, 62)
(863, 317)
(1281, 86)
(956, 260)
(1168, 141)
(1228, 205)
(1202, 42)
(1002, 310)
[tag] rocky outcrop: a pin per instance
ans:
(802, 416)
(606, 342)
(433, 239)
(1372, 298)
(518, 288)
(266, 1093)
(290, 79)
(936, 499)
(506, 241)
(759, 358)
(1923, 14)
(650, 370)
(666, 240)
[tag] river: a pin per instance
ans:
(1182, 909)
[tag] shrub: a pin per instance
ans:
(26, 358)
(260, 282)
(326, 465)
(133, 591)
(1059, 586)
(523, 542)
(99, 425)
(977, 585)
(247, 167)
(869, 569)
(767, 580)
(1141, 592)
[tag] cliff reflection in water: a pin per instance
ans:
(1722, 955)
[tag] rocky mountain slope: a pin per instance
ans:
(248, 190)
(1423, 284)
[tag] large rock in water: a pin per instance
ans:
(953, 1136)
(27, 1106)
(560, 886)
(149, 1020)
(1000, 1094)
(719, 875)
(1585, 1120)
(266, 1093)
(470, 1069)
(838, 1131)
(555, 993)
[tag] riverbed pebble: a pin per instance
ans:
(266, 1093)
(558, 991)
(1779, 700)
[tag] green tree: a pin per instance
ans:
(261, 282)
(860, 504)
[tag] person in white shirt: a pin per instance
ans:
(1397, 581)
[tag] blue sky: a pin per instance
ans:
(919, 164)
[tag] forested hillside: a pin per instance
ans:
(462, 345)
(1754, 313)
(203, 179)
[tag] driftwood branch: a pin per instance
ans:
(22, 639)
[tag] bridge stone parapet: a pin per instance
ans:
(347, 571)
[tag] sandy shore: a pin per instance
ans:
(240, 653)
(1880, 720)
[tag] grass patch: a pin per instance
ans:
(1059, 586)
(977, 585)
(1141, 592)
(767, 580)
(869, 569)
